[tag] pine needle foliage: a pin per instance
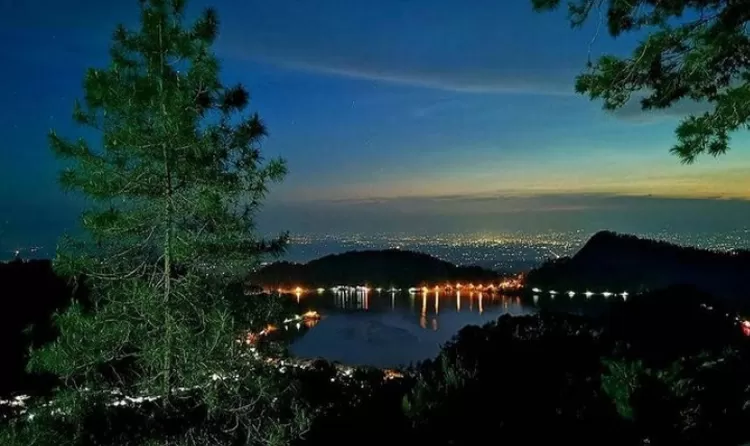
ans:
(174, 186)
(692, 50)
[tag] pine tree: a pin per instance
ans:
(693, 50)
(173, 188)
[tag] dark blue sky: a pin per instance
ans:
(409, 115)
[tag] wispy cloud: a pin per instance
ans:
(452, 79)
(451, 48)
(422, 43)
(435, 108)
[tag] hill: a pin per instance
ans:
(31, 292)
(384, 268)
(616, 262)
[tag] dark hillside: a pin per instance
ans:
(31, 293)
(617, 263)
(377, 268)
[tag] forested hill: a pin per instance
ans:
(616, 262)
(373, 267)
(31, 293)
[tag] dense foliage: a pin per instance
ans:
(553, 377)
(173, 186)
(697, 50)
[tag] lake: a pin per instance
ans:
(395, 329)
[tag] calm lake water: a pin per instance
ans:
(394, 329)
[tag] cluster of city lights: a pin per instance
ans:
(505, 285)
(308, 319)
(511, 284)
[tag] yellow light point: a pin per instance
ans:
(458, 285)
(393, 374)
(458, 301)
(471, 286)
(298, 290)
(424, 289)
(268, 329)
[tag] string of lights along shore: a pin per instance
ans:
(515, 284)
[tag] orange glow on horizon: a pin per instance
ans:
(651, 176)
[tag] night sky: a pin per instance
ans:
(394, 115)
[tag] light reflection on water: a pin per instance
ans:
(390, 329)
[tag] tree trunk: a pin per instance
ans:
(167, 378)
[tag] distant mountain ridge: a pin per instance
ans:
(390, 267)
(616, 262)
